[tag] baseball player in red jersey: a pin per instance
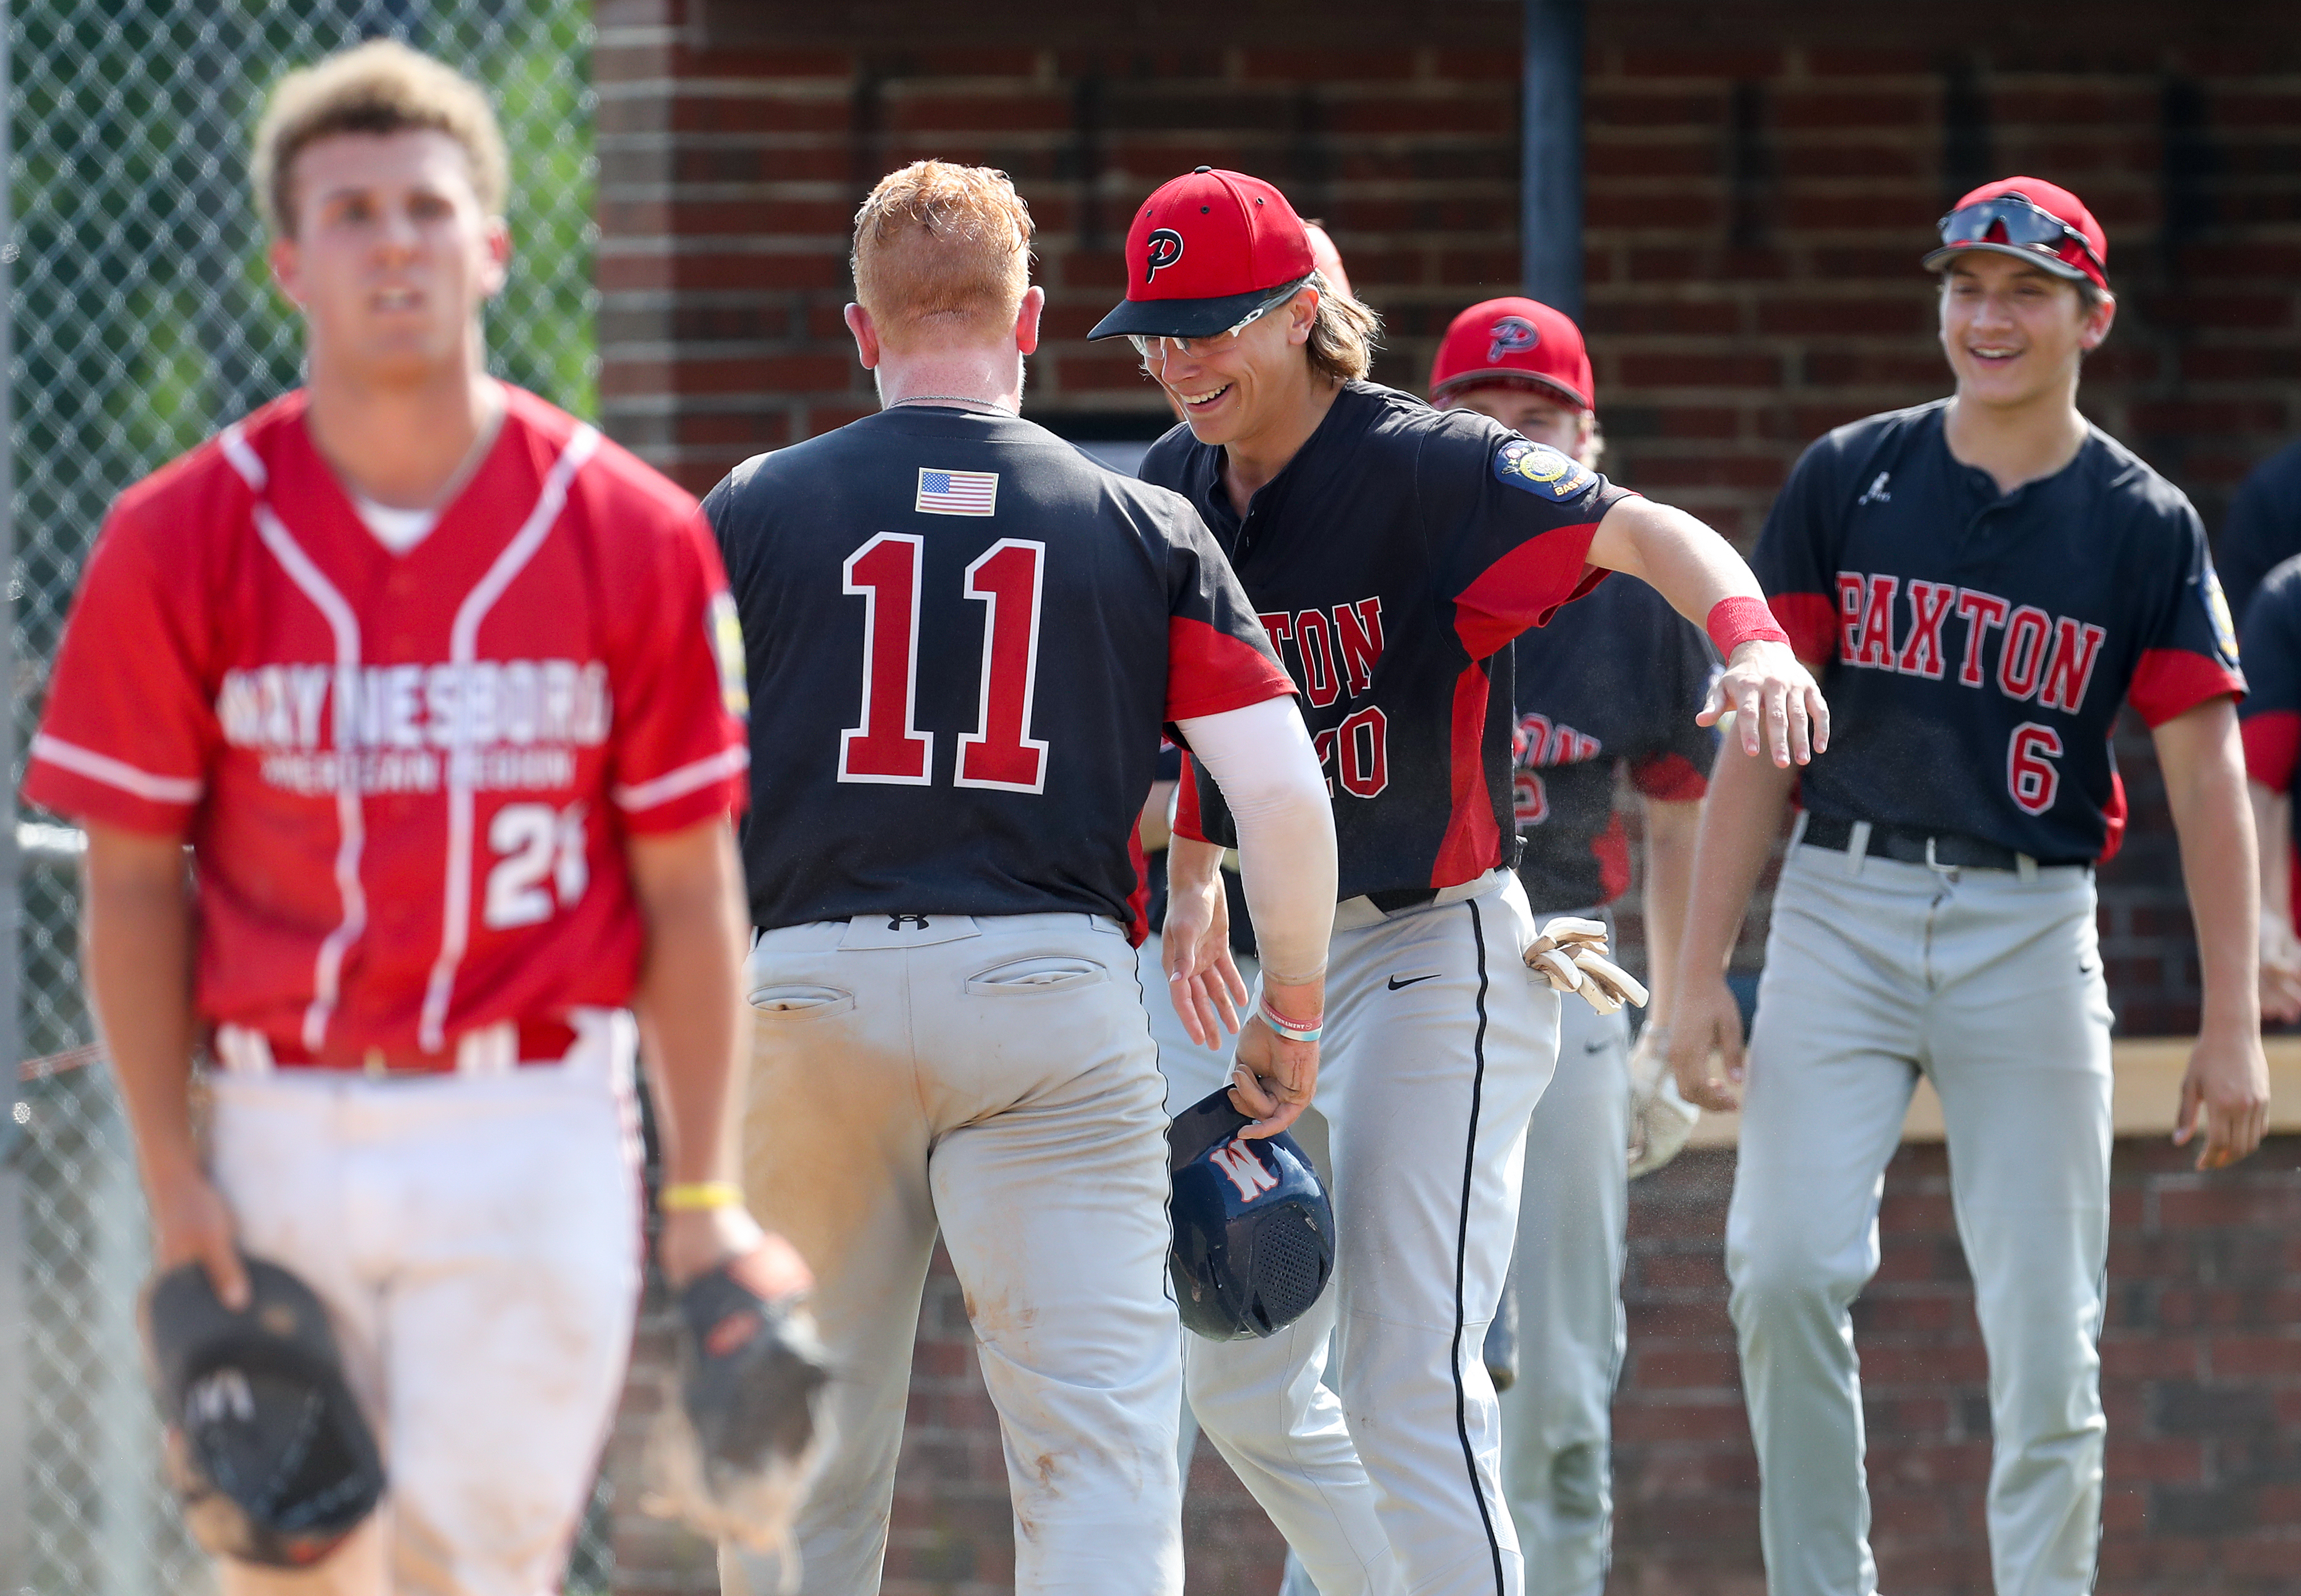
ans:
(1394, 552)
(437, 685)
(966, 636)
(1985, 580)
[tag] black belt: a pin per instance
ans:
(1908, 845)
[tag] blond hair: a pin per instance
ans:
(382, 86)
(942, 248)
(1344, 335)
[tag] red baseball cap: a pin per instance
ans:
(2030, 220)
(1203, 252)
(1514, 341)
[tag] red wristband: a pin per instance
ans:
(1734, 622)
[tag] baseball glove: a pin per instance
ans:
(1661, 1120)
(733, 1459)
(1570, 954)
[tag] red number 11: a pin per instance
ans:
(888, 747)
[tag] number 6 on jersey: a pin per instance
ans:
(888, 747)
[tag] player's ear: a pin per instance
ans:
(866, 337)
(498, 245)
(1302, 315)
(1026, 319)
(2098, 320)
(287, 262)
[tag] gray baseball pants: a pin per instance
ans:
(1572, 1219)
(1989, 983)
(993, 1080)
(1439, 1041)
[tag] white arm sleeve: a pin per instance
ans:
(1262, 758)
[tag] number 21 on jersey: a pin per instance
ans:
(887, 746)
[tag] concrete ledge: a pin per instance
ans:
(2148, 1088)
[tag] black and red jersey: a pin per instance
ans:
(1975, 646)
(1391, 562)
(1614, 680)
(2271, 714)
(962, 638)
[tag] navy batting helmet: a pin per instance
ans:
(267, 1451)
(1254, 1234)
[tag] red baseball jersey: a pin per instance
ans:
(406, 780)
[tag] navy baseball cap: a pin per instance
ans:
(1203, 252)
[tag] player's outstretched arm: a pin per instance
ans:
(1740, 818)
(2228, 1078)
(689, 888)
(1262, 758)
(1778, 705)
(135, 944)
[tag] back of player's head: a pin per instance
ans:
(381, 88)
(942, 255)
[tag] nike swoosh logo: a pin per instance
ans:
(1396, 983)
(1597, 1045)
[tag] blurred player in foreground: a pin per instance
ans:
(1983, 580)
(965, 638)
(424, 672)
(1614, 680)
(1395, 551)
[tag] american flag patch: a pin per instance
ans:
(957, 492)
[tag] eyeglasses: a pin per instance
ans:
(2017, 221)
(1155, 348)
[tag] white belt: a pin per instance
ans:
(603, 1036)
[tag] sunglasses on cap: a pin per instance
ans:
(1153, 346)
(2015, 220)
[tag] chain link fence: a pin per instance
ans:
(143, 320)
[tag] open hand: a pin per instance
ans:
(1774, 701)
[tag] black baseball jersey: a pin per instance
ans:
(963, 639)
(2263, 529)
(1614, 680)
(1393, 561)
(2271, 714)
(1974, 646)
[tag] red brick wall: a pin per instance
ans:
(2201, 1361)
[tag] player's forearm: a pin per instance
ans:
(2204, 767)
(1670, 834)
(1262, 758)
(690, 894)
(1682, 558)
(2272, 830)
(136, 946)
(1740, 819)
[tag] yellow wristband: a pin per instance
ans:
(688, 1197)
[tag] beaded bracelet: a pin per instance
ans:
(1294, 1031)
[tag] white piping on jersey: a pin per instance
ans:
(351, 825)
(686, 779)
(463, 649)
(244, 459)
(113, 773)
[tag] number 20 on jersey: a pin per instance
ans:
(888, 747)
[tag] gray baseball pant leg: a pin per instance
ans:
(994, 1079)
(1572, 1220)
(1426, 1086)
(1299, 1463)
(1992, 985)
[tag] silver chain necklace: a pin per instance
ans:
(963, 403)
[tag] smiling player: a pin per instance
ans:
(1982, 581)
(1393, 552)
